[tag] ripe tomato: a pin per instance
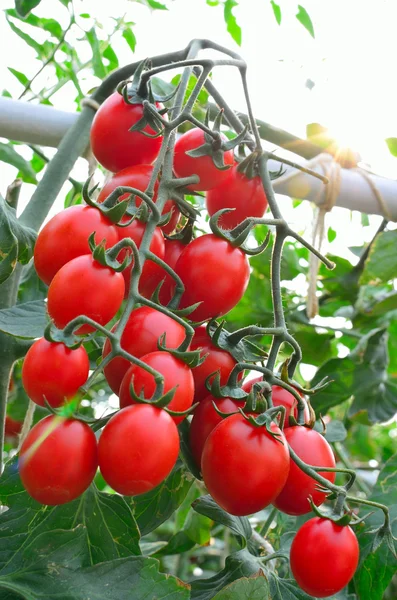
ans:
(246, 196)
(214, 273)
(84, 287)
(314, 450)
(243, 466)
(176, 374)
(140, 336)
(12, 428)
(217, 360)
(324, 557)
(138, 449)
(116, 147)
(281, 397)
(58, 460)
(53, 372)
(65, 237)
(203, 166)
(138, 177)
(205, 419)
(136, 231)
(173, 250)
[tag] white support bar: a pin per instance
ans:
(45, 126)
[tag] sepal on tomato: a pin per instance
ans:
(265, 419)
(191, 358)
(329, 512)
(214, 387)
(63, 336)
(108, 258)
(161, 401)
(242, 351)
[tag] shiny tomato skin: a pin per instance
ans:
(244, 468)
(324, 557)
(216, 360)
(136, 231)
(176, 374)
(140, 336)
(58, 460)
(203, 166)
(246, 196)
(137, 449)
(281, 397)
(113, 145)
(204, 421)
(314, 450)
(138, 177)
(54, 372)
(84, 287)
(65, 237)
(214, 273)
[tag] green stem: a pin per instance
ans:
(344, 458)
(266, 526)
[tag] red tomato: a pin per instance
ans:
(324, 557)
(138, 177)
(205, 419)
(203, 166)
(176, 374)
(84, 287)
(65, 237)
(12, 428)
(138, 449)
(217, 360)
(314, 450)
(244, 468)
(246, 196)
(53, 372)
(116, 147)
(281, 397)
(140, 336)
(136, 231)
(58, 460)
(214, 273)
(173, 250)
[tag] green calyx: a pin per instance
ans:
(265, 419)
(161, 401)
(108, 258)
(191, 358)
(335, 514)
(242, 349)
(62, 336)
(237, 236)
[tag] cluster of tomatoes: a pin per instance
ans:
(244, 466)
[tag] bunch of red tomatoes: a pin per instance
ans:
(245, 467)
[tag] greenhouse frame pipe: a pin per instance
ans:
(45, 126)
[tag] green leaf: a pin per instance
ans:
(50, 25)
(20, 76)
(331, 234)
(130, 38)
(303, 17)
(240, 526)
(232, 26)
(364, 220)
(153, 4)
(335, 432)
(9, 155)
(276, 10)
(111, 56)
(377, 569)
(30, 286)
(285, 589)
(197, 530)
(25, 6)
(238, 565)
(98, 66)
(26, 321)
(110, 530)
(392, 145)
(26, 38)
(16, 241)
(155, 507)
(381, 264)
(363, 376)
(255, 587)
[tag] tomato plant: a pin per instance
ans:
(58, 460)
(137, 449)
(203, 166)
(176, 375)
(324, 557)
(235, 448)
(116, 147)
(281, 397)
(213, 273)
(140, 336)
(53, 373)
